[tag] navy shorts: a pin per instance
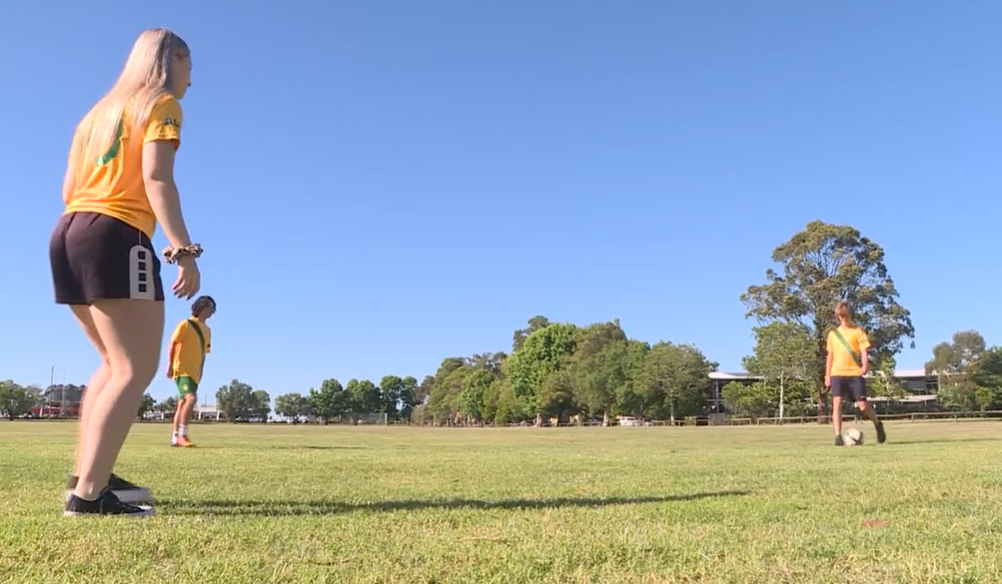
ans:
(97, 257)
(846, 387)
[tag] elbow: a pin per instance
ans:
(159, 189)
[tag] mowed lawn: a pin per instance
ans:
(278, 503)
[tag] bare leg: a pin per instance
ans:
(188, 406)
(99, 379)
(837, 415)
(178, 417)
(871, 415)
(131, 331)
(867, 411)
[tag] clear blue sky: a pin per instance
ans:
(379, 185)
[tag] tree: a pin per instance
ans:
(292, 405)
(330, 402)
(168, 406)
(754, 400)
(675, 380)
(260, 405)
(473, 393)
(599, 378)
(443, 401)
(408, 398)
(535, 323)
(390, 389)
(16, 400)
(365, 396)
(970, 374)
(598, 368)
(236, 400)
(819, 267)
(147, 405)
(423, 391)
(543, 352)
(783, 353)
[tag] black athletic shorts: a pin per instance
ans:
(849, 387)
(97, 257)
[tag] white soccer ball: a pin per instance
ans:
(852, 437)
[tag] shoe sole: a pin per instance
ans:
(130, 496)
(146, 512)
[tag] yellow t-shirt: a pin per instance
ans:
(189, 359)
(115, 185)
(842, 362)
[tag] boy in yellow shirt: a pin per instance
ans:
(845, 368)
(189, 345)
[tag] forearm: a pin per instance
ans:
(828, 366)
(166, 204)
(170, 359)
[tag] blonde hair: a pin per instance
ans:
(148, 75)
(844, 312)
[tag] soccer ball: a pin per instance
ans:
(852, 437)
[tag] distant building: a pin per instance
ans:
(208, 412)
(61, 401)
(921, 388)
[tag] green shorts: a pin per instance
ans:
(186, 385)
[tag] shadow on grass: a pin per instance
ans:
(942, 441)
(259, 447)
(297, 508)
(301, 447)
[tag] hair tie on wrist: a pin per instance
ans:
(171, 255)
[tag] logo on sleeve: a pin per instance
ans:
(169, 129)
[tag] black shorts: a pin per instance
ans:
(97, 257)
(849, 387)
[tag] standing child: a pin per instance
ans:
(845, 368)
(190, 343)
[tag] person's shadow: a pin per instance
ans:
(278, 508)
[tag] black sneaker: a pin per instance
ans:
(881, 435)
(125, 491)
(839, 441)
(105, 504)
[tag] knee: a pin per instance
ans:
(139, 371)
(862, 405)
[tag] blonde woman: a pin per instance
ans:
(119, 184)
(845, 369)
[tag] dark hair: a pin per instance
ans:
(201, 303)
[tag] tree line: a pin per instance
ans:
(569, 372)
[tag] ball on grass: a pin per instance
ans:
(852, 437)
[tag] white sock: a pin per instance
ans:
(183, 430)
(173, 438)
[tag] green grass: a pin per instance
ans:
(406, 505)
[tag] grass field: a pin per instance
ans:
(256, 504)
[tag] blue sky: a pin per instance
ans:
(379, 185)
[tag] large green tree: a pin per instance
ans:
(969, 372)
(408, 398)
(753, 400)
(237, 401)
(818, 267)
(675, 380)
(535, 323)
(784, 353)
(16, 400)
(543, 353)
(330, 402)
(292, 405)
